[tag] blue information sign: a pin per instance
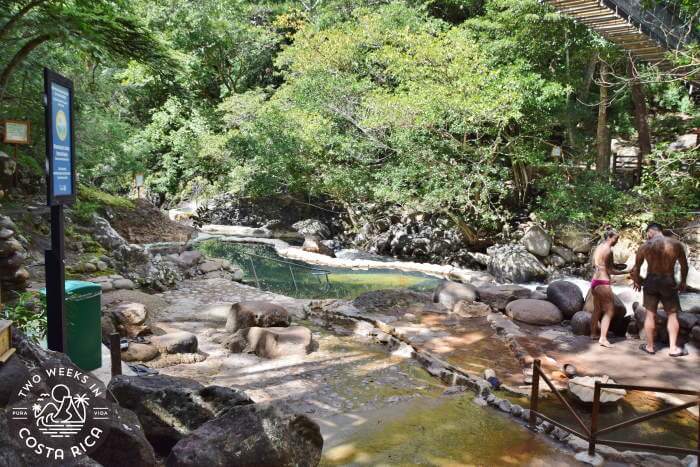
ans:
(59, 139)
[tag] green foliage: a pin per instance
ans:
(28, 314)
(670, 188)
(584, 199)
(94, 195)
(437, 105)
(92, 200)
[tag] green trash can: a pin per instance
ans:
(83, 309)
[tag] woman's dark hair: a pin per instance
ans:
(610, 232)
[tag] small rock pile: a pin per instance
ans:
(13, 276)
(148, 344)
(561, 302)
(157, 267)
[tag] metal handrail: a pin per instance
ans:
(302, 266)
(314, 271)
(592, 434)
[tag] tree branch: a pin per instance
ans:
(7, 27)
(21, 55)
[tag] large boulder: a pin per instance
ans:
(171, 408)
(498, 296)
(11, 372)
(687, 322)
(259, 434)
(449, 293)
(271, 342)
(577, 241)
(566, 296)
(564, 253)
(131, 318)
(620, 320)
(176, 342)
(312, 228)
(513, 263)
(105, 234)
(261, 314)
(537, 241)
(124, 443)
(581, 323)
(537, 312)
(315, 245)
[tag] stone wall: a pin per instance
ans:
(13, 276)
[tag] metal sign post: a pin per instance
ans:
(138, 182)
(60, 181)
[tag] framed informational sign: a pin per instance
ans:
(16, 132)
(138, 180)
(60, 139)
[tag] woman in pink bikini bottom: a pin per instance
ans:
(603, 298)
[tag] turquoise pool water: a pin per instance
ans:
(264, 268)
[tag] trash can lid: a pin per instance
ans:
(79, 288)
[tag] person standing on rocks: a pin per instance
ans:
(661, 254)
(603, 298)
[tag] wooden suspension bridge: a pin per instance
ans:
(647, 33)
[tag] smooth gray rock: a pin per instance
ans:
(176, 342)
(566, 296)
(581, 323)
(498, 296)
(513, 263)
(258, 434)
(449, 293)
(537, 312)
(537, 241)
(171, 408)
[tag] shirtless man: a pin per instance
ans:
(661, 254)
(603, 298)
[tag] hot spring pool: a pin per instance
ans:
(264, 268)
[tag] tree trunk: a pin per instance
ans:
(588, 79)
(21, 55)
(641, 116)
(603, 134)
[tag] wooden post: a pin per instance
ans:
(594, 419)
(116, 353)
(535, 394)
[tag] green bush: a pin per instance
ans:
(585, 199)
(670, 188)
(28, 314)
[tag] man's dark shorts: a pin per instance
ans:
(661, 288)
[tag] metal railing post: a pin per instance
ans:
(594, 419)
(115, 353)
(255, 274)
(535, 394)
(296, 289)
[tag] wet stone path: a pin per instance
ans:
(351, 385)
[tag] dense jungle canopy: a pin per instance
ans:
(436, 105)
